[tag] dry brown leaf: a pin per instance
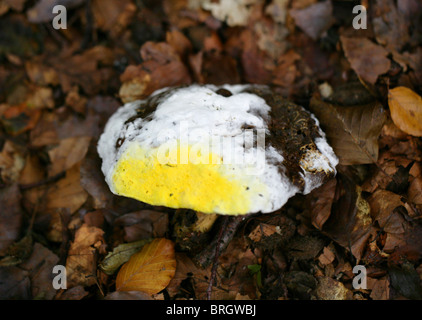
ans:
(81, 259)
(330, 289)
(92, 180)
(186, 269)
(149, 270)
(32, 172)
(286, 71)
(391, 27)
(380, 288)
(406, 110)
(383, 204)
(15, 284)
(91, 70)
(41, 74)
(353, 132)
(234, 13)
(350, 222)
(179, 42)
(160, 61)
(128, 295)
(257, 66)
(67, 193)
(143, 224)
(69, 152)
(12, 162)
(205, 71)
(113, 15)
(39, 98)
(314, 19)
(45, 131)
(321, 200)
(76, 101)
(53, 200)
(367, 59)
(39, 265)
(262, 230)
(10, 219)
(75, 293)
(17, 119)
(327, 256)
(43, 9)
(415, 191)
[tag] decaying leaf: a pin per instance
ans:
(314, 19)
(188, 274)
(160, 60)
(234, 12)
(39, 265)
(353, 132)
(43, 10)
(17, 119)
(330, 289)
(69, 152)
(17, 252)
(81, 260)
(120, 255)
(12, 162)
(384, 205)
(380, 288)
(406, 110)
(11, 219)
(321, 200)
(143, 224)
(406, 281)
(149, 270)
(350, 222)
(67, 192)
(128, 295)
(367, 59)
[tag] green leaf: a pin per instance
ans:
(120, 255)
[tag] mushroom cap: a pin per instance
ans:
(232, 149)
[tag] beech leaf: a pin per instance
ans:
(150, 270)
(353, 131)
(406, 110)
(366, 58)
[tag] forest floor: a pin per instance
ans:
(58, 87)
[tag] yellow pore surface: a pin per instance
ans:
(205, 186)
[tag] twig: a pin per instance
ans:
(217, 254)
(206, 256)
(42, 182)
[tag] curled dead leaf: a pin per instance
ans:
(352, 131)
(149, 270)
(69, 152)
(366, 58)
(80, 263)
(406, 110)
(120, 255)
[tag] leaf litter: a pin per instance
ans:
(58, 88)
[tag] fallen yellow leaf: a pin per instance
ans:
(406, 110)
(149, 270)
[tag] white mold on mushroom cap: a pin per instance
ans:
(192, 152)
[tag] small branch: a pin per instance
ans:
(206, 256)
(42, 182)
(217, 254)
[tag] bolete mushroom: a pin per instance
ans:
(230, 150)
